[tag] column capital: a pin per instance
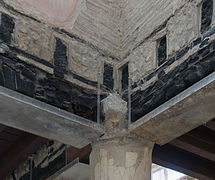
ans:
(115, 112)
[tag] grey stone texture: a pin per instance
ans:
(182, 28)
(88, 52)
(33, 38)
(110, 25)
(111, 33)
(121, 159)
(115, 112)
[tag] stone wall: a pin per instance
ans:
(50, 64)
(147, 53)
(33, 38)
(190, 57)
(96, 21)
(73, 59)
(182, 28)
(143, 17)
(115, 26)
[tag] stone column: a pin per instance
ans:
(119, 155)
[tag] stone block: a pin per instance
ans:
(84, 60)
(114, 108)
(33, 38)
(182, 28)
(142, 60)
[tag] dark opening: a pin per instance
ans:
(60, 59)
(108, 76)
(207, 13)
(162, 50)
(6, 28)
(125, 75)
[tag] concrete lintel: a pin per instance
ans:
(186, 111)
(73, 171)
(33, 116)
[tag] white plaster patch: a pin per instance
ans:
(103, 152)
(97, 171)
(131, 159)
(182, 28)
(142, 60)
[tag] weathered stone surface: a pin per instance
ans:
(35, 43)
(182, 28)
(186, 111)
(168, 85)
(84, 60)
(142, 19)
(142, 60)
(114, 108)
(121, 159)
(89, 20)
(31, 81)
(109, 25)
(33, 38)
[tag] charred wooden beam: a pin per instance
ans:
(83, 154)
(195, 146)
(183, 161)
(16, 154)
(203, 134)
(211, 125)
(2, 127)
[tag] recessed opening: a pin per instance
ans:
(60, 59)
(161, 50)
(125, 76)
(206, 15)
(108, 76)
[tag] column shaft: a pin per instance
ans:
(121, 159)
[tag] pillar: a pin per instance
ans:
(121, 159)
(119, 155)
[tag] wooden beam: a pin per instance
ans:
(83, 154)
(196, 147)
(183, 161)
(203, 134)
(211, 125)
(16, 154)
(2, 127)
